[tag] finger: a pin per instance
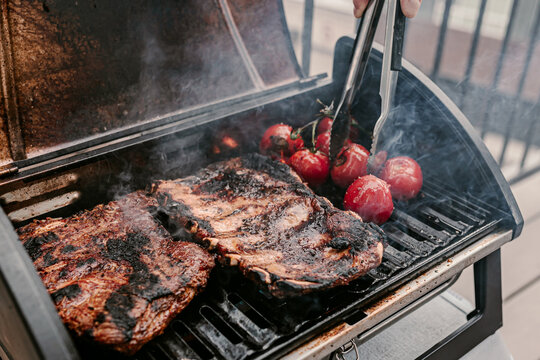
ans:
(410, 7)
(359, 7)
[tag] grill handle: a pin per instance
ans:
(346, 351)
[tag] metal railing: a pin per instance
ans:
(517, 122)
(522, 110)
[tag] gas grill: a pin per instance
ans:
(100, 99)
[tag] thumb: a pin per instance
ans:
(359, 7)
(410, 7)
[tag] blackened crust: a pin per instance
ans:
(116, 275)
(256, 213)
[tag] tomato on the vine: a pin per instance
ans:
(369, 197)
(313, 167)
(404, 176)
(298, 144)
(350, 164)
(323, 142)
(325, 124)
(297, 140)
(277, 143)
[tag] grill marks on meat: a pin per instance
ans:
(257, 214)
(115, 275)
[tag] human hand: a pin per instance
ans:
(409, 7)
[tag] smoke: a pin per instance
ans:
(189, 70)
(422, 127)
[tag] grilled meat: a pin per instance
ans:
(115, 275)
(256, 213)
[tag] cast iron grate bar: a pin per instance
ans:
(232, 319)
(406, 242)
(383, 272)
(471, 206)
(399, 258)
(192, 341)
(218, 341)
(248, 310)
(255, 334)
(175, 347)
(459, 213)
(458, 227)
(418, 228)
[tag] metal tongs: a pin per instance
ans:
(393, 50)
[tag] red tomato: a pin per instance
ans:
(277, 142)
(313, 167)
(325, 124)
(350, 164)
(404, 176)
(323, 142)
(370, 198)
(298, 143)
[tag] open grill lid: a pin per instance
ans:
(75, 74)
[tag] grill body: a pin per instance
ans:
(466, 212)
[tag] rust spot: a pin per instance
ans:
(328, 335)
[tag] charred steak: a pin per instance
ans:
(115, 275)
(257, 214)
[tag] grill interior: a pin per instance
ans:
(232, 319)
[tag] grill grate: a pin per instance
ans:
(234, 320)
